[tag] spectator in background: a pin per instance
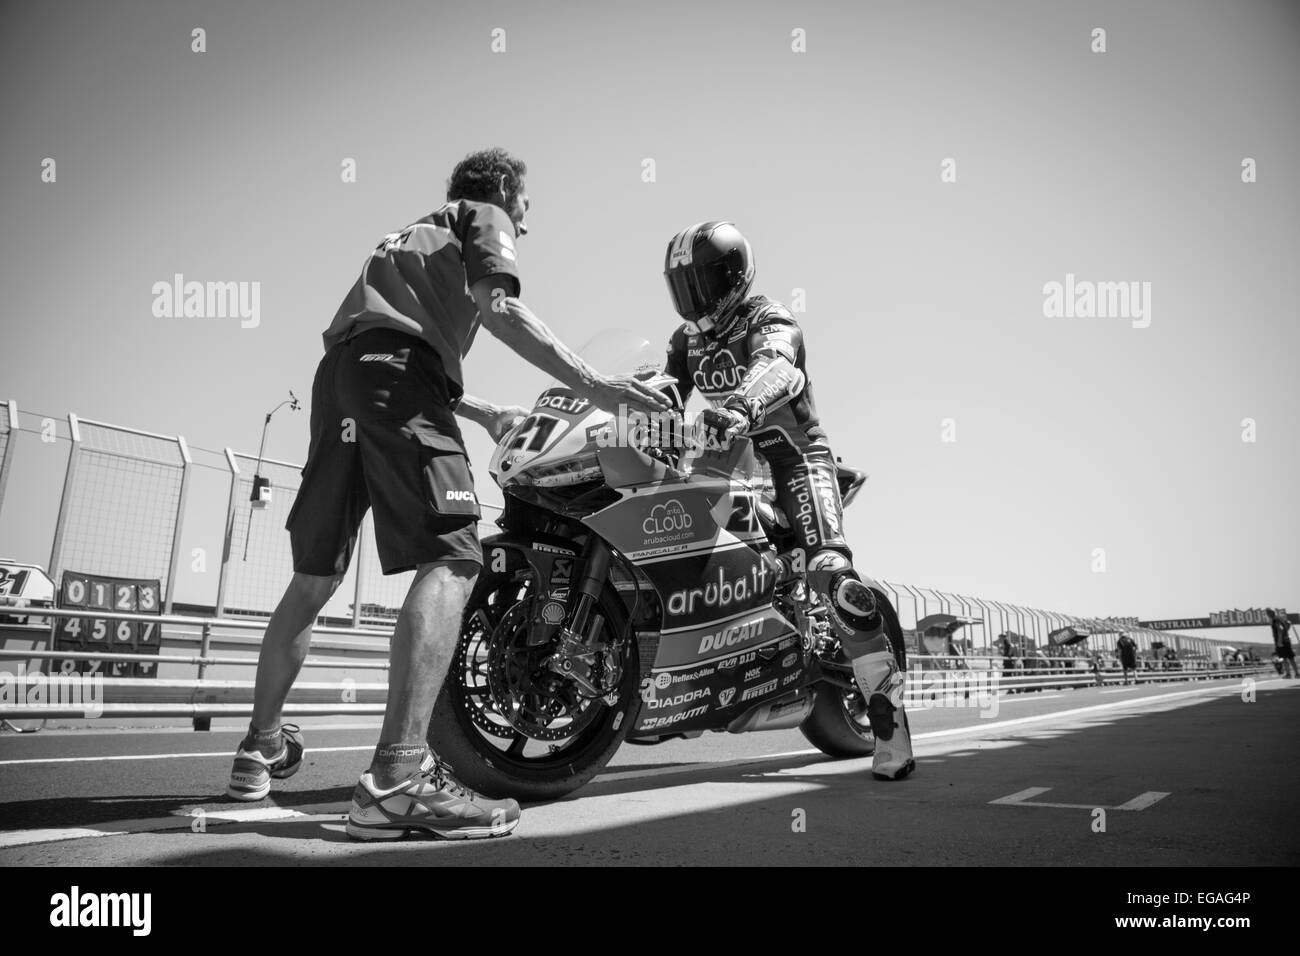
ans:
(1281, 627)
(1127, 648)
(1003, 645)
(1096, 667)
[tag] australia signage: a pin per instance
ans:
(1234, 618)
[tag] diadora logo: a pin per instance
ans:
(741, 633)
(453, 495)
(656, 703)
(725, 695)
(758, 690)
(377, 357)
(721, 593)
(718, 372)
(667, 518)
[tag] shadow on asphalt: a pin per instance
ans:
(1228, 768)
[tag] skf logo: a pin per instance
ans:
(453, 495)
(377, 357)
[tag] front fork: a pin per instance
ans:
(575, 658)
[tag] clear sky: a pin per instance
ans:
(924, 298)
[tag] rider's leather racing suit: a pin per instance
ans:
(758, 370)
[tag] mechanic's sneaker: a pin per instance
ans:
(893, 758)
(430, 800)
(250, 777)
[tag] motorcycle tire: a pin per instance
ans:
(830, 727)
(491, 771)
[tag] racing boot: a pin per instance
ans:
(882, 683)
(856, 616)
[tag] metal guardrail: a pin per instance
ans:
(205, 698)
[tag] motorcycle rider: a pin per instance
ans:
(745, 355)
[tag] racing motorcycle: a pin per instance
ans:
(632, 597)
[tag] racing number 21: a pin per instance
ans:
(534, 432)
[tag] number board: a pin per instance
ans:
(95, 592)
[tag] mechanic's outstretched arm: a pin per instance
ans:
(495, 419)
(510, 320)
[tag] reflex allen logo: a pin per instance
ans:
(75, 909)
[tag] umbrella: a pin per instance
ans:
(1068, 635)
(934, 633)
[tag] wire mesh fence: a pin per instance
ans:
(123, 504)
(256, 560)
(123, 498)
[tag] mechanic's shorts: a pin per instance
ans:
(1286, 653)
(383, 436)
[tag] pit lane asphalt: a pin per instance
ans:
(1227, 766)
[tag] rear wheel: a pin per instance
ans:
(508, 725)
(838, 724)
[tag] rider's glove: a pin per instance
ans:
(718, 426)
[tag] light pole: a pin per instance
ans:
(261, 494)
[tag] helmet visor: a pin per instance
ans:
(698, 290)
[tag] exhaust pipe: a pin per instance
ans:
(783, 714)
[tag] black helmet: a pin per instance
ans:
(710, 269)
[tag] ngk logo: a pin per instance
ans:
(740, 633)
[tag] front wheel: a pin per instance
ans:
(508, 725)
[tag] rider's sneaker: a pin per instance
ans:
(250, 777)
(431, 800)
(893, 758)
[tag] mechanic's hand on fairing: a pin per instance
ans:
(504, 419)
(611, 392)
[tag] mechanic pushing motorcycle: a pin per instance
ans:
(745, 355)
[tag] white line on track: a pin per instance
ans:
(973, 729)
(200, 753)
(235, 815)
